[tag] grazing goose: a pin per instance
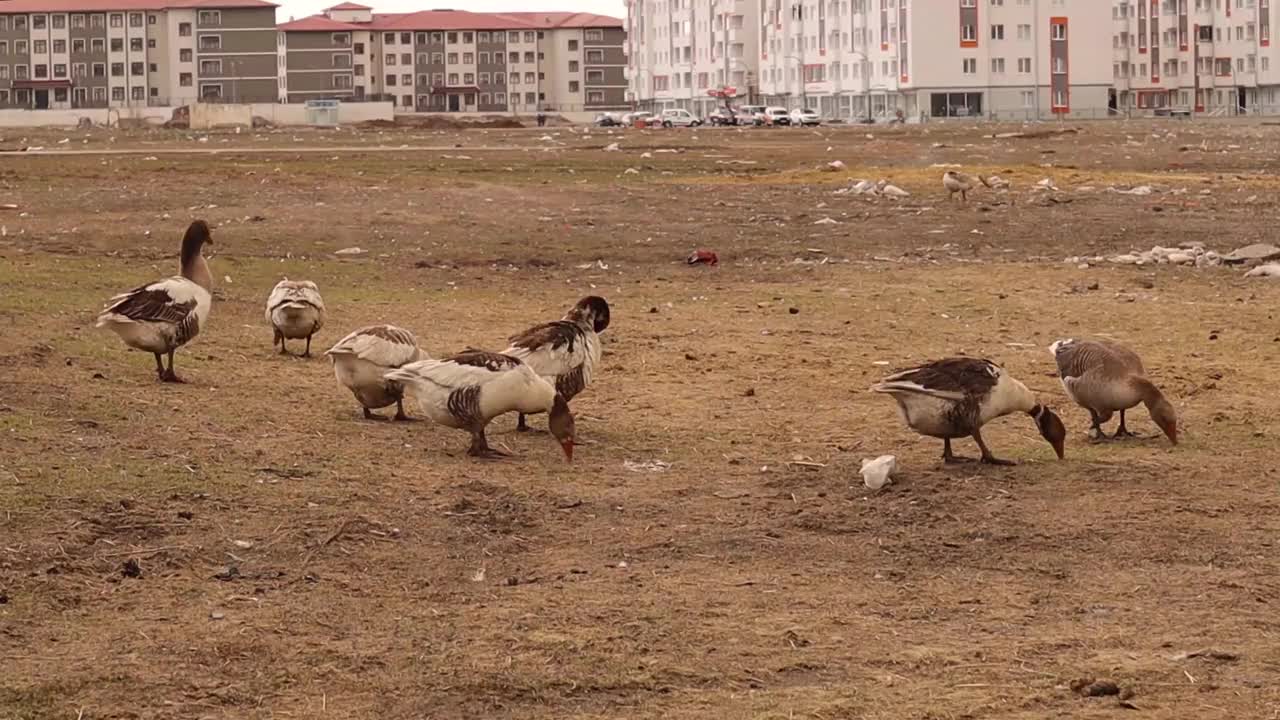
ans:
(958, 182)
(161, 317)
(1103, 378)
(955, 397)
(362, 359)
(565, 352)
(295, 310)
(470, 389)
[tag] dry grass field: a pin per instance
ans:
(245, 546)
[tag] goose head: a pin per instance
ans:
(1051, 428)
(593, 310)
(560, 422)
(1163, 414)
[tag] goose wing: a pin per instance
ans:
(172, 300)
(948, 379)
(551, 349)
(470, 368)
(1075, 358)
(385, 345)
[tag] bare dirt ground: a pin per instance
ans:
(246, 546)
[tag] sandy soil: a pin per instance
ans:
(246, 546)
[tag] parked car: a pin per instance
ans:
(805, 116)
(630, 118)
(726, 116)
(751, 114)
(678, 117)
(776, 116)
(608, 119)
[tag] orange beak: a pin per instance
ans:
(568, 449)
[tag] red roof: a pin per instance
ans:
(86, 6)
(349, 6)
(448, 20)
(319, 23)
(565, 19)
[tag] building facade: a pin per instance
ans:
(854, 59)
(1204, 56)
(120, 53)
(457, 61)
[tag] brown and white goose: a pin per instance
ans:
(295, 310)
(161, 317)
(1103, 378)
(565, 352)
(958, 182)
(955, 397)
(362, 359)
(468, 390)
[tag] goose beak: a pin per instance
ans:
(568, 449)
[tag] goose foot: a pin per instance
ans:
(948, 458)
(400, 416)
(987, 457)
(170, 376)
(369, 415)
(1122, 431)
(480, 448)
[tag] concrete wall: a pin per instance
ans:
(203, 115)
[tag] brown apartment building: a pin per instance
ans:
(122, 53)
(457, 61)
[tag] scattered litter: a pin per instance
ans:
(242, 544)
(703, 257)
(1139, 190)
(1045, 184)
(611, 147)
(891, 190)
(646, 155)
(826, 221)
(8, 206)
(834, 166)
(350, 251)
(1270, 270)
(646, 466)
(878, 472)
(631, 171)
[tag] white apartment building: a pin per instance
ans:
(680, 51)
(1007, 59)
(1204, 56)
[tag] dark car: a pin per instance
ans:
(607, 120)
(724, 116)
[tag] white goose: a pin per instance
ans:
(468, 390)
(295, 310)
(363, 358)
(161, 317)
(955, 397)
(565, 352)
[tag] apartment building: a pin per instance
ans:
(879, 58)
(99, 53)
(1207, 56)
(687, 53)
(457, 61)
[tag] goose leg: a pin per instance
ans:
(947, 456)
(1095, 431)
(400, 416)
(987, 457)
(307, 353)
(480, 447)
(521, 425)
(170, 375)
(1122, 431)
(370, 415)
(159, 367)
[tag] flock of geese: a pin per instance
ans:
(548, 365)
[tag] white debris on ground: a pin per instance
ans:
(878, 472)
(611, 147)
(1193, 254)
(1045, 184)
(834, 166)
(1270, 270)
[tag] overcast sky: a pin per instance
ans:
(302, 8)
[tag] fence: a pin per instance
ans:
(201, 115)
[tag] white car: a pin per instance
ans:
(776, 116)
(805, 116)
(679, 118)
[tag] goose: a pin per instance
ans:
(888, 190)
(958, 182)
(295, 310)
(565, 352)
(163, 316)
(468, 390)
(955, 397)
(362, 359)
(1104, 377)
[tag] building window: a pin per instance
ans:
(77, 45)
(596, 77)
(138, 92)
(210, 42)
(406, 59)
(184, 79)
(420, 38)
(997, 32)
(468, 38)
(515, 78)
(41, 72)
(135, 45)
(997, 65)
(573, 86)
(20, 47)
(453, 58)
(595, 97)
(40, 47)
(528, 57)
(573, 45)
(359, 70)
(135, 20)
(485, 78)
(391, 80)
(153, 68)
(358, 48)
(595, 35)
(78, 70)
(406, 38)
(77, 20)
(20, 22)
(59, 71)
(1060, 65)
(1024, 65)
(117, 94)
(210, 67)
(137, 69)
(341, 60)
(388, 38)
(970, 66)
(211, 91)
(499, 98)
(595, 56)
(342, 82)
(210, 17)
(453, 78)
(117, 69)
(529, 78)
(514, 57)
(99, 70)
(437, 37)
(528, 37)
(99, 45)
(967, 33)
(406, 100)
(155, 91)
(184, 55)
(184, 29)
(100, 94)
(39, 22)
(59, 22)
(437, 58)
(97, 20)
(573, 66)
(1060, 98)
(1059, 31)
(152, 20)
(468, 58)
(406, 80)
(341, 38)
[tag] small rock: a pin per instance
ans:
(350, 251)
(186, 514)
(751, 392)
(215, 615)
(131, 568)
(653, 310)
(690, 356)
(794, 310)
